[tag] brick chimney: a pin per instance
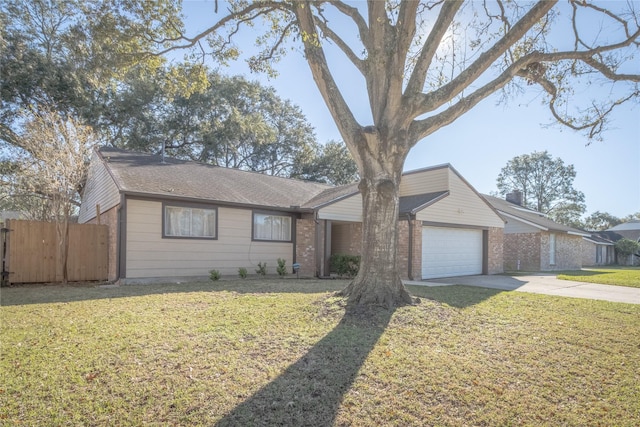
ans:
(515, 197)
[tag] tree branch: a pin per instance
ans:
(239, 17)
(331, 35)
(342, 115)
(422, 128)
(430, 46)
(439, 97)
(354, 14)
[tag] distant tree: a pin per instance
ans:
(546, 185)
(599, 221)
(231, 122)
(330, 163)
(631, 217)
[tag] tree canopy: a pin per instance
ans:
(546, 185)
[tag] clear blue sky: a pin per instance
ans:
(478, 144)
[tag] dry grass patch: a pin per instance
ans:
(281, 353)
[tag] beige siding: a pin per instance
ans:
(100, 190)
(428, 181)
(149, 255)
(349, 209)
(513, 226)
(463, 206)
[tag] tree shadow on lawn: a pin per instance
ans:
(458, 296)
(73, 292)
(309, 392)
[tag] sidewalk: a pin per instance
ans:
(542, 283)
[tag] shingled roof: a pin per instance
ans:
(530, 216)
(628, 230)
(146, 174)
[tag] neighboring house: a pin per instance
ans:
(533, 242)
(178, 219)
(597, 250)
(628, 230)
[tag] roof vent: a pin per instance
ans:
(515, 197)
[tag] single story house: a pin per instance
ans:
(597, 250)
(177, 219)
(533, 242)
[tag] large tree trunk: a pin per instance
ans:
(378, 281)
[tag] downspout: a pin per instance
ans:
(120, 238)
(317, 244)
(410, 257)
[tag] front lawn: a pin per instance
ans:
(279, 352)
(621, 276)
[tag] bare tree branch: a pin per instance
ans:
(439, 97)
(340, 111)
(354, 14)
(331, 35)
(419, 74)
(241, 16)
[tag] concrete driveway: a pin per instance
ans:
(542, 283)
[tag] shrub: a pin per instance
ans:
(214, 275)
(242, 272)
(345, 265)
(627, 247)
(262, 268)
(282, 269)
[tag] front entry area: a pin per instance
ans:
(449, 252)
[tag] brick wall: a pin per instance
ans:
(522, 247)
(403, 249)
(346, 238)
(305, 245)
(495, 251)
(110, 218)
(568, 252)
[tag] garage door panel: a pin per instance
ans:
(448, 252)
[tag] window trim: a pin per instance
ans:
(188, 205)
(274, 213)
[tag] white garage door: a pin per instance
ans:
(448, 252)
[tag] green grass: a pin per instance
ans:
(622, 276)
(280, 352)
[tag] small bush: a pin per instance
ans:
(627, 247)
(282, 269)
(214, 275)
(242, 272)
(262, 268)
(345, 265)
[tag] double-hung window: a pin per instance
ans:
(271, 227)
(190, 221)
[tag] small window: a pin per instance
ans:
(271, 227)
(190, 222)
(552, 249)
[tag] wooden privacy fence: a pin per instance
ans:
(31, 252)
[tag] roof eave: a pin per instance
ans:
(429, 203)
(169, 197)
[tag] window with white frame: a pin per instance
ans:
(190, 222)
(271, 227)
